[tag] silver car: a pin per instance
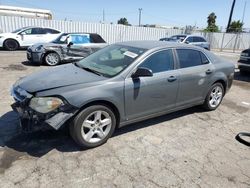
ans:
(121, 84)
(68, 47)
(189, 39)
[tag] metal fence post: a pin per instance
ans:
(235, 42)
(222, 42)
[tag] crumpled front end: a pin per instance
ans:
(31, 119)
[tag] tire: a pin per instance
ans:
(100, 123)
(214, 97)
(52, 59)
(11, 44)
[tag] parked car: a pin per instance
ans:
(174, 38)
(244, 62)
(27, 36)
(67, 47)
(189, 39)
(121, 84)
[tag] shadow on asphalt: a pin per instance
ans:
(242, 76)
(39, 143)
(28, 63)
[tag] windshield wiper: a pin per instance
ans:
(89, 69)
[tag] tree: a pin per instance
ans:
(211, 23)
(236, 26)
(123, 21)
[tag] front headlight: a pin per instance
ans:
(45, 104)
(39, 48)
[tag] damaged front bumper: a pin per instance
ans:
(31, 120)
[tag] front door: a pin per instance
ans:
(145, 96)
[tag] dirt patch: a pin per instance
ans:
(14, 67)
(9, 156)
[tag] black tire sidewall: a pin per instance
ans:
(54, 54)
(206, 104)
(8, 48)
(75, 128)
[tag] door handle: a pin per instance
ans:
(209, 71)
(172, 78)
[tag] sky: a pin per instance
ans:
(161, 12)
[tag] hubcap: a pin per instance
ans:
(52, 59)
(96, 126)
(215, 96)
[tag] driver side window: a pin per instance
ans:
(159, 61)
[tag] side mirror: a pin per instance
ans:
(142, 72)
(70, 44)
(187, 42)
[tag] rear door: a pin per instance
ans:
(145, 96)
(50, 34)
(195, 73)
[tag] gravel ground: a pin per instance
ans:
(190, 148)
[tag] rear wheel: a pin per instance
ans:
(52, 59)
(214, 97)
(93, 126)
(11, 44)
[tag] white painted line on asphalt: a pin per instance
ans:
(246, 103)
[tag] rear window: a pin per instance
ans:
(51, 31)
(95, 38)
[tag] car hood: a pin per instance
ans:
(56, 77)
(8, 34)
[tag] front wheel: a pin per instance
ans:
(11, 45)
(93, 126)
(214, 97)
(52, 59)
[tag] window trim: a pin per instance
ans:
(148, 55)
(178, 61)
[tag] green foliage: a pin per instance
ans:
(123, 21)
(236, 26)
(211, 23)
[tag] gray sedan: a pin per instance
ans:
(119, 85)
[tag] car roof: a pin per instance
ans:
(195, 36)
(27, 27)
(156, 44)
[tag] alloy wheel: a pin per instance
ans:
(52, 59)
(215, 96)
(96, 126)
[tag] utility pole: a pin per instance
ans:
(103, 16)
(230, 16)
(140, 9)
(243, 16)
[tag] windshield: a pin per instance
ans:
(111, 60)
(17, 30)
(62, 39)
